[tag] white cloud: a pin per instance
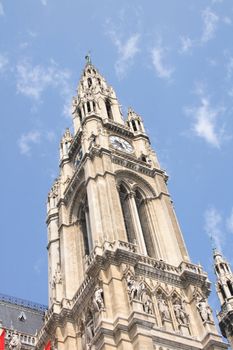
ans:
(186, 44)
(162, 69)
(3, 62)
(126, 52)
(229, 222)
(213, 220)
(44, 2)
(2, 13)
(210, 21)
(206, 123)
(229, 67)
(33, 81)
(26, 140)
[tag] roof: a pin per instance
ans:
(21, 315)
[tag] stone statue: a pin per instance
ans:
(147, 304)
(90, 332)
(15, 343)
(163, 308)
(181, 315)
(204, 310)
(98, 299)
(133, 287)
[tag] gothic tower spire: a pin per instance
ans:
(120, 277)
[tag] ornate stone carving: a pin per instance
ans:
(89, 327)
(98, 299)
(204, 310)
(163, 307)
(57, 278)
(180, 313)
(133, 287)
(15, 343)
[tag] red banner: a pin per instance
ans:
(2, 339)
(47, 347)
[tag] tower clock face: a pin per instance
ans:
(121, 144)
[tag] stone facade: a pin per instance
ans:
(119, 273)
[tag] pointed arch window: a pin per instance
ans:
(109, 109)
(142, 215)
(134, 125)
(123, 194)
(85, 227)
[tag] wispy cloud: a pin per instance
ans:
(3, 62)
(33, 137)
(2, 13)
(210, 21)
(212, 226)
(229, 222)
(209, 26)
(229, 67)
(163, 70)
(32, 81)
(44, 2)
(186, 44)
(126, 52)
(206, 120)
(26, 140)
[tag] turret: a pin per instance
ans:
(224, 288)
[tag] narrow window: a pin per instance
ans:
(109, 109)
(126, 214)
(89, 82)
(222, 291)
(99, 81)
(94, 106)
(229, 284)
(88, 107)
(134, 125)
(84, 230)
(142, 214)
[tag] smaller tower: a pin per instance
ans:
(224, 287)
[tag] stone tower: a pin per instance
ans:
(224, 287)
(119, 273)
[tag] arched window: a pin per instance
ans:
(142, 214)
(134, 125)
(88, 107)
(229, 284)
(126, 214)
(85, 227)
(222, 291)
(109, 109)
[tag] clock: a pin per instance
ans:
(121, 144)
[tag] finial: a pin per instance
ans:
(88, 57)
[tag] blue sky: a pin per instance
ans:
(172, 61)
